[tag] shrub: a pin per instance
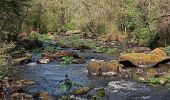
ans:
(4, 63)
(33, 36)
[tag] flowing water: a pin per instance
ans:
(47, 76)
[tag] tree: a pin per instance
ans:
(12, 15)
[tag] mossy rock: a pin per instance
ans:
(81, 91)
(159, 51)
(154, 58)
(103, 67)
(24, 82)
(44, 96)
(21, 96)
(24, 59)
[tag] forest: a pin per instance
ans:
(84, 49)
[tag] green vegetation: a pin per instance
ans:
(103, 49)
(100, 93)
(40, 37)
(167, 49)
(71, 41)
(157, 81)
(4, 58)
(142, 22)
(67, 60)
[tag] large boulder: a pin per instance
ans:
(152, 59)
(103, 68)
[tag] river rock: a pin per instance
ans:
(23, 82)
(43, 61)
(60, 54)
(103, 68)
(152, 59)
(141, 50)
(159, 51)
(80, 60)
(21, 58)
(81, 91)
(43, 96)
(151, 73)
(21, 96)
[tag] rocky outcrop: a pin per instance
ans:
(152, 59)
(103, 68)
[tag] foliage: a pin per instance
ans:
(40, 37)
(103, 49)
(100, 93)
(167, 49)
(72, 41)
(155, 80)
(66, 84)
(67, 60)
(69, 26)
(4, 57)
(33, 36)
(12, 15)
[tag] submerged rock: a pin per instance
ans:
(152, 59)
(103, 68)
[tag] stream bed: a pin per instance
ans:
(47, 76)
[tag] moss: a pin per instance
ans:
(81, 91)
(160, 52)
(21, 60)
(101, 92)
(141, 57)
